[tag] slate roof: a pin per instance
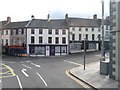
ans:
(16, 24)
(82, 22)
(44, 23)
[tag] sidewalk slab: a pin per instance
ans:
(91, 75)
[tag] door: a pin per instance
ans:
(52, 50)
(47, 50)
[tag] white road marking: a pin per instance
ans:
(0, 81)
(26, 66)
(28, 61)
(19, 82)
(22, 62)
(11, 62)
(35, 65)
(42, 79)
(24, 72)
(72, 62)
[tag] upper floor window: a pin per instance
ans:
(32, 39)
(63, 32)
(79, 29)
(86, 29)
(16, 31)
(73, 28)
(40, 39)
(79, 36)
(73, 36)
(56, 40)
(2, 32)
(50, 31)
(6, 32)
(92, 29)
(49, 39)
(40, 31)
(106, 27)
(63, 40)
(22, 31)
(93, 37)
(11, 32)
(87, 36)
(56, 31)
(32, 31)
(99, 29)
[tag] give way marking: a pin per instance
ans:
(72, 62)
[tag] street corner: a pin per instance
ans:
(74, 78)
(6, 71)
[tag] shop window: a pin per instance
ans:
(63, 49)
(57, 49)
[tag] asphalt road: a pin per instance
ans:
(44, 72)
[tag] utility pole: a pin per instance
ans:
(103, 49)
(84, 51)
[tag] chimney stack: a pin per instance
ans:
(32, 17)
(66, 16)
(48, 17)
(95, 16)
(8, 19)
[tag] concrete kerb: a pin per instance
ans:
(70, 71)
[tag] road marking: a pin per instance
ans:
(72, 62)
(24, 72)
(28, 61)
(35, 65)
(19, 82)
(78, 81)
(42, 79)
(26, 66)
(11, 62)
(0, 80)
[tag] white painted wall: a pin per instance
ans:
(83, 32)
(4, 37)
(45, 36)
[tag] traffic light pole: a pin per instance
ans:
(84, 52)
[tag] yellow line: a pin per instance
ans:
(4, 72)
(10, 69)
(6, 76)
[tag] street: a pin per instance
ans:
(42, 72)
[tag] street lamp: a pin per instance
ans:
(84, 50)
(103, 49)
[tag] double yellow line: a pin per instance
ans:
(10, 72)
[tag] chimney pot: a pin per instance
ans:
(95, 16)
(8, 19)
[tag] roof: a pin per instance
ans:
(16, 24)
(82, 22)
(44, 23)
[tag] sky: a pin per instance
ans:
(21, 10)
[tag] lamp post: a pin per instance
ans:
(84, 50)
(103, 50)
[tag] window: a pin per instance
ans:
(6, 41)
(73, 28)
(99, 36)
(92, 29)
(73, 36)
(79, 36)
(2, 32)
(63, 40)
(106, 27)
(56, 31)
(16, 31)
(32, 31)
(57, 49)
(40, 31)
(56, 40)
(40, 39)
(63, 32)
(99, 29)
(79, 29)
(86, 29)
(11, 32)
(6, 32)
(22, 31)
(93, 37)
(63, 49)
(50, 31)
(32, 39)
(49, 39)
(87, 36)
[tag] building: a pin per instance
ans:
(82, 28)
(47, 37)
(115, 40)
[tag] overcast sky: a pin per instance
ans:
(21, 10)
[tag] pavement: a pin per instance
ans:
(92, 77)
